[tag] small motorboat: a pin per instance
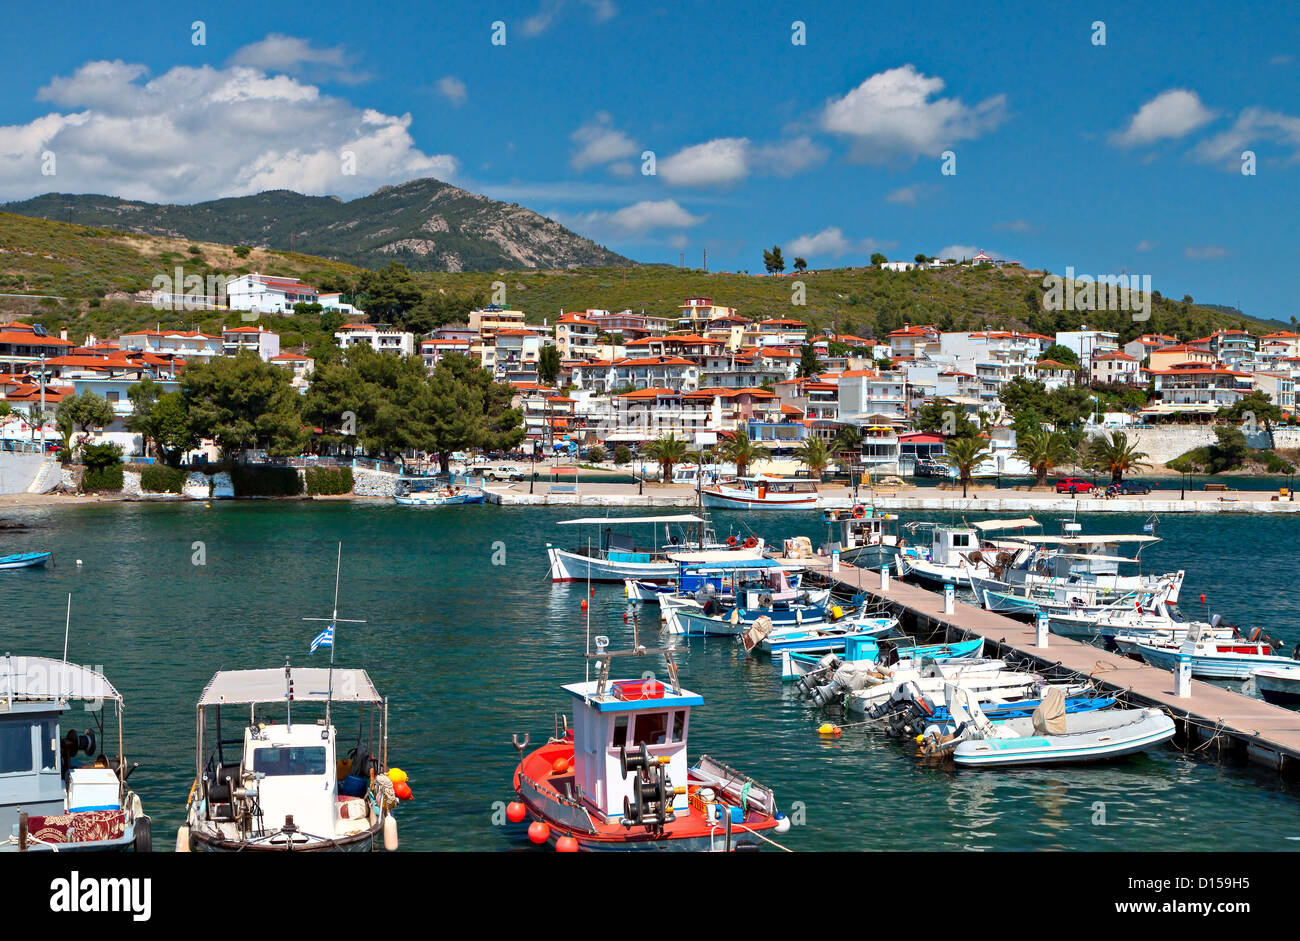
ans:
(824, 638)
(446, 496)
(51, 799)
(761, 493)
(1233, 658)
(1279, 685)
(1051, 735)
(619, 778)
(24, 560)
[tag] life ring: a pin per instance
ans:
(751, 542)
(732, 540)
(859, 512)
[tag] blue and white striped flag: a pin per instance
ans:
(325, 638)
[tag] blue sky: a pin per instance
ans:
(1123, 156)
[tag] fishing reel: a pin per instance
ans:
(75, 742)
(651, 803)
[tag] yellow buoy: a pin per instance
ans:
(828, 728)
(397, 775)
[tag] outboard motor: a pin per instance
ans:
(828, 694)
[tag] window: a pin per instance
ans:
(620, 731)
(651, 729)
(50, 745)
(290, 759)
(15, 746)
(679, 724)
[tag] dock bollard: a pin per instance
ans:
(949, 598)
(1183, 676)
(835, 560)
(1040, 629)
(884, 578)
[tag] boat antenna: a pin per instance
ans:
(334, 619)
(586, 603)
(67, 624)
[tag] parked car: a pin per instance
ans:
(1073, 485)
(504, 472)
(1132, 487)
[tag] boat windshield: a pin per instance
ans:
(289, 759)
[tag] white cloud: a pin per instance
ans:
(909, 195)
(720, 161)
(1145, 245)
(1254, 126)
(891, 115)
(636, 220)
(1206, 252)
(280, 53)
(199, 133)
(1019, 226)
(453, 89)
(1171, 114)
(831, 242)
(539, 22)
(788, 157)
(600, 143)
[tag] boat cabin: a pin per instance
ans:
(858, 528)
(949, 545)
(609, 716)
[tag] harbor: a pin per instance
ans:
(430, 643)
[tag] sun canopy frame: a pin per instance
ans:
(310, 684)
(43, 679)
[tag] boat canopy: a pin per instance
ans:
(310, 684)
(35, 679)
(762, 564)
(993, 526)
(1087, 540)
(623, 520)
(704, 556)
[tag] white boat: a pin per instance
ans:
(1209, 657)
(989, 677)
(955, 553)
(51, 799)
(616, 556)
(1160, 620)
(862, 535)
(761, 493)
(1279, 685)
(1050, 736)
(449, 496)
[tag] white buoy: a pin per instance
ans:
(183, 840)
(949, 599)
(1040, 629)
(78, 562)
(390, 833)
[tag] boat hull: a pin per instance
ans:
(1152, 729)
(24, 560)
(724, 500)
(1214, 668)
(202, 841)
(574, 567)
(1278, 685)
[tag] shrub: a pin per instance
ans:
(252, 481)
(622, 454)
(159, 478)
(596, 454)
(102, 478)
(329, 481)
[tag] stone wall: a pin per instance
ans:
(369, 483)
(1166, 443)
(17, 471)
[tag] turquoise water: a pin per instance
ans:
(470, 652)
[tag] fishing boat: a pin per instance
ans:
(734, 620)
(861, 535)
(1209, 657)
(719, 576)
(761, 493)
(63, 792)
(24, 560)
(1161, 620)
(756, 587)
(955, 553)
(1279, 684)
(986, 678)
(763, 636)
(865, 651)
(1071, 603)
(283, 786)
(616, 556)
(1051, 735)
(619, 778)
(445, 496)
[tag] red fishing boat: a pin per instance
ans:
(618, 779)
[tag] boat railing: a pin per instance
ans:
(573, 815)
(734, 784)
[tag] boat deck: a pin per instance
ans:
(1264, 733)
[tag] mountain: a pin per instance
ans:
(426, 224)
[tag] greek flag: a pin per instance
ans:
(325, 637)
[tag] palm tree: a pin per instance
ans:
(668, 451)
(848, 440)
(742, 452)
(965, 454)
(1115, 455)
(814, 455)
(1042, 450)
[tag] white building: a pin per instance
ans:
(380, 338)
(186, 344)
(265, 294)
(1088, 343)
(259, 340)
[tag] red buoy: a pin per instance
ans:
(516, 811)
(560, 765)
(539, 832)
(566, 844)
(403, 791)
(584, 604)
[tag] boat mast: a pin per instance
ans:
(334, 620)
(67, 624)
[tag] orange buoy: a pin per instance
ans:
(516, 811)
(584, 604)
(539, 832)
(559, 765)
(566, 844)
(403, 791)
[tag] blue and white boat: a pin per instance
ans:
(24, 560)
(722, 577)
(826, 638)
(865, 651)
(1210, 658)
(447, 496)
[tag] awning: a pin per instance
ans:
(622, 520)
(310, 684)
(36, 679)
(989, 526)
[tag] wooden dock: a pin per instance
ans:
(1212, 719)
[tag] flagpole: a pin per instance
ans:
(338, 568)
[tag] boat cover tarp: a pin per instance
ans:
(310, 684)
(1049, 715)
(990, 526)
(41, 678)
(628, 520)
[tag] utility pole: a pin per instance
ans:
(43, 402)
(706, 261)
